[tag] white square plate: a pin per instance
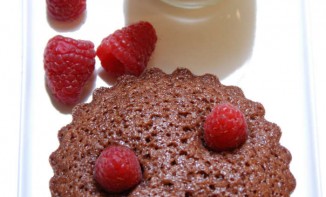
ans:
(259, 46)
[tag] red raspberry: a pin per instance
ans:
(225, 128)
(117, 169)
(127, 51)
(68, 64)
(65, 10)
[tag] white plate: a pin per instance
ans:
(258, 46)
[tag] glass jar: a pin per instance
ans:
(191, 4)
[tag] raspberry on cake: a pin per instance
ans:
(225, 128)
(68, 64)
(161, 118)
(127, 50)
(117, 169)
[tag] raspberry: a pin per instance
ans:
(117, 169)
(65, 10)
(225, 128)
(127, 50)
(68, 64)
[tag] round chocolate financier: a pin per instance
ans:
(160, 117)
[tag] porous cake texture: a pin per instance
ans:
(160, 117)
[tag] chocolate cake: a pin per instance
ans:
(160, 117)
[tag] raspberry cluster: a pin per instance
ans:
(69, 63)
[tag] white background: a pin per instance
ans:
(285, 71)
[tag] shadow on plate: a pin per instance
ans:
(86, 93)
(106, 77)
(216, 39)
(65, 26)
